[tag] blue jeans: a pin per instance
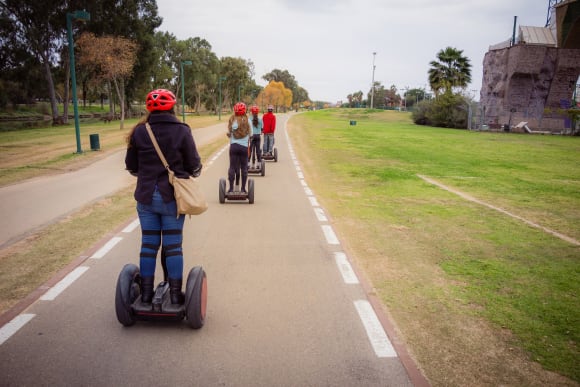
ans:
(268, 142)
(160, 226)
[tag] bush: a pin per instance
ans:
(446, 111)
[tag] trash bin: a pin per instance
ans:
(95, 145)
(352, 123)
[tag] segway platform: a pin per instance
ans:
(130, 308)
(258, 168)
(236, 195)
(271, 155)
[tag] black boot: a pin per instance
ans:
(177, 296)
(147, 289)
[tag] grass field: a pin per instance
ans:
(480, 297)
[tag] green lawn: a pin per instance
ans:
(430, 248)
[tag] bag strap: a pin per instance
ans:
(156, 145)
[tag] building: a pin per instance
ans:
(534, 78)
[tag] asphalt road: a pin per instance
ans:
(284, 307)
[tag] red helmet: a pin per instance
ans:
(160, 99)
(254, 109)
(240, 109)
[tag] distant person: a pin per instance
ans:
(156, 207)
(239, 134)
(257, 128)
(269, 120)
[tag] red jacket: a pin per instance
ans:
(269, 123)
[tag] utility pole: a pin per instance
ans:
(373, 81)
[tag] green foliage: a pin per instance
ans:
(447, 111)
(451, 69)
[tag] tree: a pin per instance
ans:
(276, 94)
(237, 72)
(299, 94)
(135, 20)
(451, 69)
(112, 58)
(38, 27)
(355, 99)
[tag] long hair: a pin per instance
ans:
(255, 120)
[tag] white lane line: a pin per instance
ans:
(330, 235)
(13, 326)
(308, 191)
(375, 332)
(132, 226)
(106, 248)
(64, 283)
(320, 214)
(300, 175)
(348, 275)
(303, 182)
(298, 169)
(313, 201)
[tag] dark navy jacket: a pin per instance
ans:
(178, 147)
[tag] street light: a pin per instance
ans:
(373, 83)
(79, 15)
(220, 87)
(183, 62)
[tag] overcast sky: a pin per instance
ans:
(328, 45)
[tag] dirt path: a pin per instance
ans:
(475, 200)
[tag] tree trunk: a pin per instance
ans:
(121, 99)
(66, 92)
(51, 91)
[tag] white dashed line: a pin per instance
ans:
(132, 226)
(71, 277)
(330, 235)
(348, 275)
(320, 214)
(13, 326)
(375, 332)
(106, 248)
(313, 201)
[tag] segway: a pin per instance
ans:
(271, 155)
(237, 194)
(259, 168)
(130, 308)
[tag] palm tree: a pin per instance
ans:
(450, 70)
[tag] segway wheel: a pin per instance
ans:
(251, 191)
(222, 190)
(275, 155)
(127, 292)
(196, 297)
(263, 168)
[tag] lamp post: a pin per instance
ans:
(183, 62)
(79, 15)
(239, 90)
(373, 82)
(220, 102)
